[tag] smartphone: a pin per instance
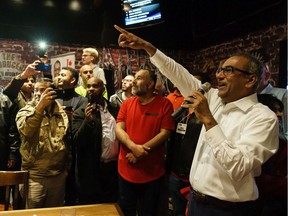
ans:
(60, 93)
(43, 67)
(92, 100)
(68, 108)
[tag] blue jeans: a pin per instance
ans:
(142, 198)
(178, 201)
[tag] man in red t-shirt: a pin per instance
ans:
(176, 98)
(144, 124)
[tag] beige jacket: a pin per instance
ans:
(43, 148)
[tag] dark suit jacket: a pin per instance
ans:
(77, 101)
(88, 138)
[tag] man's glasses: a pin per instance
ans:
(86, 72)
(85, 55)
(228, 70)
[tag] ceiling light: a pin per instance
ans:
(49, 3)
(42, 45)
(75, 5)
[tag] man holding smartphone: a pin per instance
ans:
(43, 126)
(96, 147)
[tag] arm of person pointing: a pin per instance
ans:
(127, 39)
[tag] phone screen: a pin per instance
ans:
(43, 67)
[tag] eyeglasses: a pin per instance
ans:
(126, 80)
(85, 55)
(89, 71)
(228, 70)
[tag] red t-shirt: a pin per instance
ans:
(175, 99)
(143, 122)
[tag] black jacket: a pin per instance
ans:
(88, 138)
(9, 136)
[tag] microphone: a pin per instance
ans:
(177, 113)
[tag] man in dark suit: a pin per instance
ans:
(96, 147)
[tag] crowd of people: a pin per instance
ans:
(83, 146)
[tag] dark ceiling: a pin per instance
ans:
(189, 24)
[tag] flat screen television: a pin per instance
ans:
(141, 13)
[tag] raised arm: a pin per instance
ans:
(175, 72)
(14, 86)
(127, 39)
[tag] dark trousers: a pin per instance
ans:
(70, 190)
(140, 198)
(179, 202)
(197, 208)
(104, 188)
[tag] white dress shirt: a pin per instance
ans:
(110, 145)
(229, 155)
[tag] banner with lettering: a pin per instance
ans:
(63, 60)
(11, 64)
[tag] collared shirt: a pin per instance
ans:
(175, 99)
(110, 145)
(229, 155)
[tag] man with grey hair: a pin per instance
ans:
(43, 126)
(239, 134)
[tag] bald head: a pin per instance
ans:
(86, 72)
(95, 88)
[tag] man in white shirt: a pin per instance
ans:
(238, 134)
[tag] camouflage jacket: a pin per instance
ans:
(43, 148)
